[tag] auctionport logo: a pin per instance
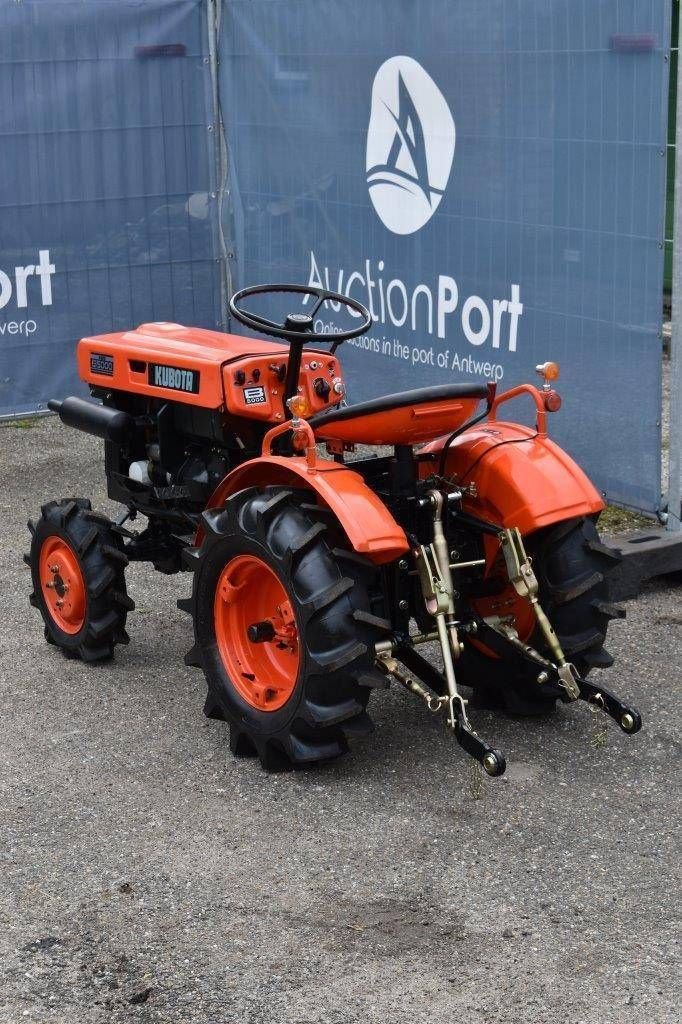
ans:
(409, 157)
(21, 287)
(410, 145)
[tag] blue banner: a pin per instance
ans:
(488, 178)
(105, 171)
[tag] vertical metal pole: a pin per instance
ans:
(675, 440)
(214, 15)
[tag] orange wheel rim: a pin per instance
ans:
(507, 603)
(264, 672)
(62, 584)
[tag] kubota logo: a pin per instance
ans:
(410, 145)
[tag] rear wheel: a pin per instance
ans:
(77, 565)
(285, 622)
(571, 564)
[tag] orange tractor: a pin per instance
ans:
(318, 577)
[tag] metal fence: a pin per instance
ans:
(488, 178)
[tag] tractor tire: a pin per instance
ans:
(571, 564)
(77, 565)
(285, 623)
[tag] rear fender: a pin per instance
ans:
(371, 529)
(521, 478)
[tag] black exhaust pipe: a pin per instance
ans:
(110, 424)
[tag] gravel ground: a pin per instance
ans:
(149, 876)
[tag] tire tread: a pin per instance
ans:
(337, 630)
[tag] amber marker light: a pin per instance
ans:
(549, 371)
(298, 406)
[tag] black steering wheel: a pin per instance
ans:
(297, 325)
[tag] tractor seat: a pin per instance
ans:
(407, 417)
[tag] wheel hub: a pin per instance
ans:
(256, 632)
(62, 584)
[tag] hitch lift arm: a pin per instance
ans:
(437, 699)
(500, 638)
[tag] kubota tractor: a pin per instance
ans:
(317, 579)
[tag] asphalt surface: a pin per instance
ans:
(147, 875)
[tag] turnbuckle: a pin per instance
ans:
(525, 583)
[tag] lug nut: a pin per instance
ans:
(50, 585)
(403, 605)
(54, 568)
(543, 677)
(627, 721)
(402, 564)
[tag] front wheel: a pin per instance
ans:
(571, 564)
(285, 625)
(77, 566)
